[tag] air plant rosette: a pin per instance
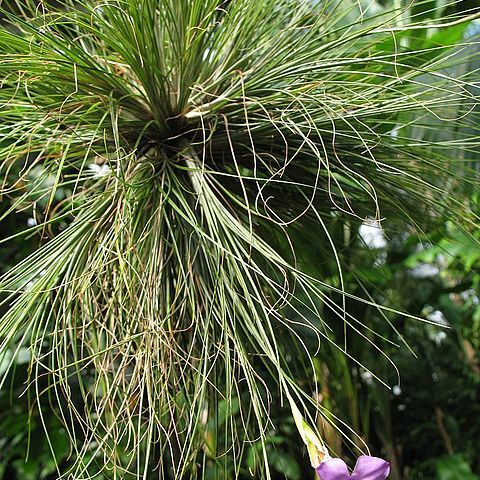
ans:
(180, 159)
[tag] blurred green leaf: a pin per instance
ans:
(285, 464)
(454, 467)
(27, 470)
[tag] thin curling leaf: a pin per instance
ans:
(231, 134)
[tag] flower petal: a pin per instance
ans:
(333, 469)
(370, 468)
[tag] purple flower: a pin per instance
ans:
(366, 468)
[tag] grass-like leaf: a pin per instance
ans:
(179, 155)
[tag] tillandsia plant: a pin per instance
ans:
(177, 156)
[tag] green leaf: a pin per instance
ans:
(285, 464)
(27, 470)
(454, 467)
